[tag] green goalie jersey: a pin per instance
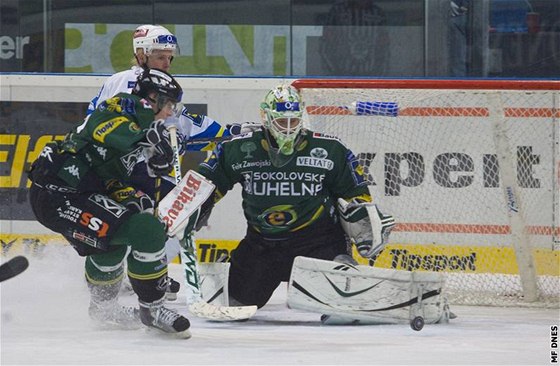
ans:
(277, 200)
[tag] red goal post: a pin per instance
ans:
(469, 168)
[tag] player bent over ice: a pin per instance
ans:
(81, 189)
(304, 195)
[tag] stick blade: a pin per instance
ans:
(13, 267)
(204, 310)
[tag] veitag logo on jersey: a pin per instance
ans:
(317, 159)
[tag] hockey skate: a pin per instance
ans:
(104, 308)
(155, 315)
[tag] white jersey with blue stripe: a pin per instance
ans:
(189, 126)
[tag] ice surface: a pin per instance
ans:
(44, 322)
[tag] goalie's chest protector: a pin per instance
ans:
(278, 199)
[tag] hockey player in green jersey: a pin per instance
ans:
(81, 189)
(304, 194)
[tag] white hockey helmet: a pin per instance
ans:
(150, 37)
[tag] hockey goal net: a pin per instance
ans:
(469, 169)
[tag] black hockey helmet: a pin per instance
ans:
(160, 82)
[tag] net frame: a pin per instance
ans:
(529, 248)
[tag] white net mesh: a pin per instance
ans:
(432, 157)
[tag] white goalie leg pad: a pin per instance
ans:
(214, 283)
(350, 294)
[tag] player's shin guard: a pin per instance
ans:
(104, 283)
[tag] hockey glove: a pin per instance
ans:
(157, 150)
(134, 200)
(366, 226)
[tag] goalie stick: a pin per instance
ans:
(13, 267)
(195, 303)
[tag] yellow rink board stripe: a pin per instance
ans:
(427, 257)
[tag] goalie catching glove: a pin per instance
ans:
(366, 226)
(157, 150)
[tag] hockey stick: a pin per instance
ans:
(209, 140)
(13, 267)
(234, 129)
(196, 304)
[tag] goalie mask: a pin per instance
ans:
(168, 92)
(154, 37)
(282, 112)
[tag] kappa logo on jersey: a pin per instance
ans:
(102, 152)
(108, 204)
(47, 152)
(73, 170)
(131, 159)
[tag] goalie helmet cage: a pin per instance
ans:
(470, 171)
